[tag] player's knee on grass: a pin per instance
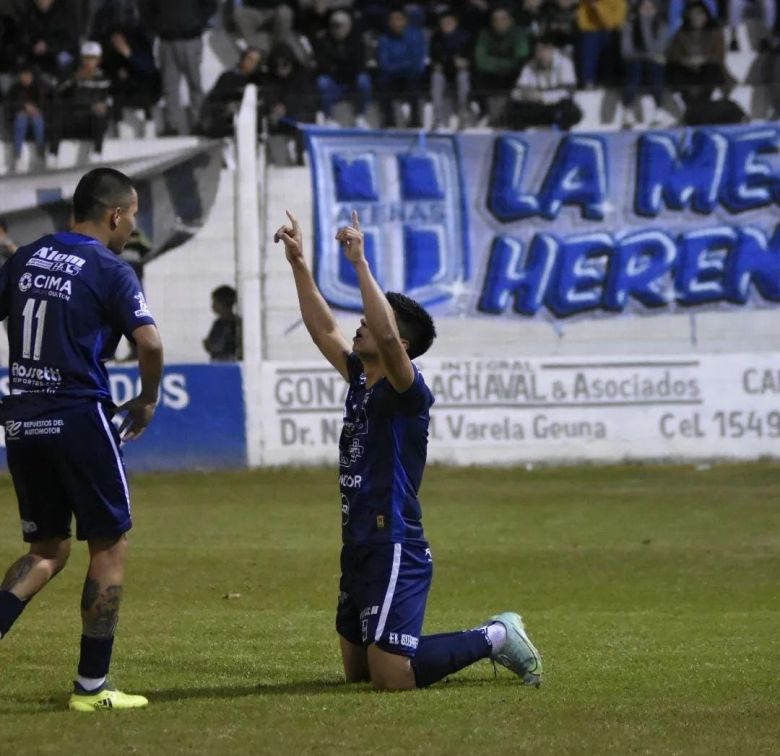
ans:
(355, 661)
(390, 671)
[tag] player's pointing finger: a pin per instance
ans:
(293, 220)
(355, 221)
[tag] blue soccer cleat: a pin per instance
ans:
(518, 654)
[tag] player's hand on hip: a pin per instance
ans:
(351, 238)
(138, 414)
(292, 237)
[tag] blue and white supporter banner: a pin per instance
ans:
(199, 422)
(551, 225)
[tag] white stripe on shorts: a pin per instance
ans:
(380, 627)
(119, 464)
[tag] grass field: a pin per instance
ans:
(652, 592)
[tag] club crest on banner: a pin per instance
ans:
(410, 197)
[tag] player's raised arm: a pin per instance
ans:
(317, 315)
(378, 313)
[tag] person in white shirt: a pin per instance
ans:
(543, 93)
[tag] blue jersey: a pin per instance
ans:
(382, 453)
(68, 301)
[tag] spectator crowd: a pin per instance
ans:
(70, 68)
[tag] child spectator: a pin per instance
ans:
(598, 42)
(451, 47)
(543, 95)
(27, 100)
(82, 104)
(400, 66)
(501, 49)
(224, 99)
(223, 342)
(340, 57)
(644, 41)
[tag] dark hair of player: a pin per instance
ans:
(415, 325)
(225, 295)
(99, 190)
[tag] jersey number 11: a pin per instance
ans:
(29, 315)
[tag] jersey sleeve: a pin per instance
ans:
(128, 303)
(417, 398)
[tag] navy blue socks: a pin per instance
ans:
(442, 654)
(10, 609)
(95, 657)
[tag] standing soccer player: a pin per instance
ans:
(386, 564)
(68, 299)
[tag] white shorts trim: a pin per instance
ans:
(115, 448)
(390, 593)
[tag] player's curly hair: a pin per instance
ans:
(414, 323)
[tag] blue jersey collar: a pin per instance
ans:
(70, 237)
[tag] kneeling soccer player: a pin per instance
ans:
(386, 564)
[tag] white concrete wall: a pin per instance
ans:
(179, 283)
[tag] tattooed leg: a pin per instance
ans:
(28, 574)
(100, 608)
(100, 602)
(18, 571)
(102, 593)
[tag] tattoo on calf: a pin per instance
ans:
(17, 572)
(101, 608)
(89, 594)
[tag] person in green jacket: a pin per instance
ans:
(502, 48)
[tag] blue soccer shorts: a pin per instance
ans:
(65, 460)
(382, 595)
